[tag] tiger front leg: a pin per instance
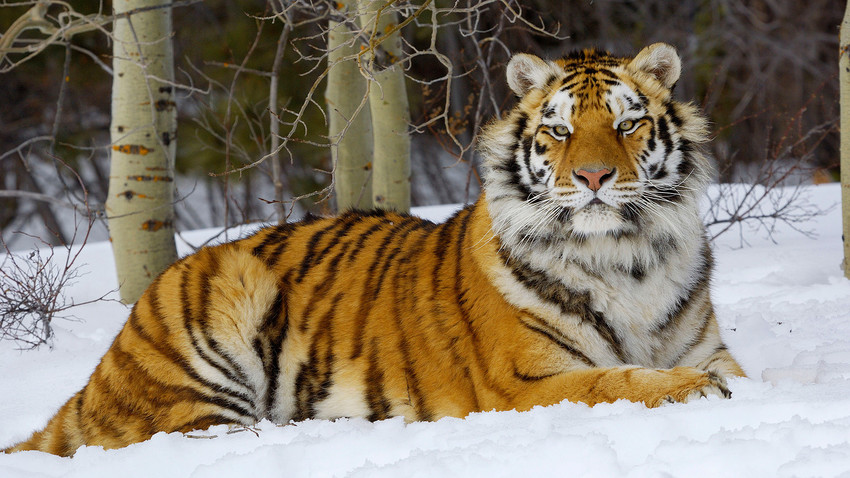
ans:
(653, 387)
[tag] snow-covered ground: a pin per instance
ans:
(785, 313)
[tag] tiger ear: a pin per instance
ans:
(526, 72)
(661, 61)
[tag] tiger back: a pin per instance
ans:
(581, 273)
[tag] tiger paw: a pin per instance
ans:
(691, 384)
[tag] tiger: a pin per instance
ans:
(581, 273)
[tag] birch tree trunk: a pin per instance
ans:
(274, 124)
(349, 129)
(144, 122)
(390, 113)
(844, 80)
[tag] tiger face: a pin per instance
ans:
(596, 146)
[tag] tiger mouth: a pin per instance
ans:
(597, 204)
(596, 207)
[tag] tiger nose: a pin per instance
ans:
(594, 179)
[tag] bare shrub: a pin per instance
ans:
(32, 296)
(33, 288)
(773, 191)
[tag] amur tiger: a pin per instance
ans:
(582, 273)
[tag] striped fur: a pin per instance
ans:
(543, 290)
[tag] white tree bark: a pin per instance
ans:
(390, 113)
(348, 129)
(144, 124)
(844, 80)
(274, 124)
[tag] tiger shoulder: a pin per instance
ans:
(581, 273)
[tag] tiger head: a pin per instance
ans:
(596, 146)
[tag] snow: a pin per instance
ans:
(784, 309)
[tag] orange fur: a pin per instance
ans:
(379, 315)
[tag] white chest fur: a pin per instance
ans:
(628, 283)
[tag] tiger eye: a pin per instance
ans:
(626, 125)
(562, 130)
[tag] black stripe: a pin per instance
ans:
(370, 292)
(400, 277)
(310, 257)
(323, 287)
(644, 101)
(442, 270)
(261, 350)
(650, 143)
(638, 272)
(346, 223)
(410, 226)
(303, 380)
(664, 135)
(513, 165)
(698, 337)
(400, 246)
(322, 389)
(314, 376)
(274, 257)
(570, 301)
(273, 315)
(375, 396)
(674, 116)
(521, 123)
(281, 239)
(540, 148)
(686, 167)
(686, 296)
(527, 144)
(461, 297)
(607, 73)
(561, 342)
(686, 147)
(361, 241)
(531, 378)
(309, 218)
(603, 328)
(207, 421)
(567, 87)
(273, 235)
(568, 78)
(332, 272)
(234, 373)
(274, 331)
(442, 244)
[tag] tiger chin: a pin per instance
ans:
(582, 273)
